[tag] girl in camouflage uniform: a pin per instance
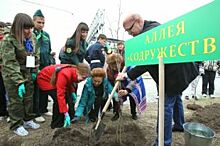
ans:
(18, 51)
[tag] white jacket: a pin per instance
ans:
(211, 65)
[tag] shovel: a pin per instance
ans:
(99, 128)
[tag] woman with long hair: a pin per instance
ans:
(75, 47)
(20, 56)
(135, 90)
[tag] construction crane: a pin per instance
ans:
(97, 26)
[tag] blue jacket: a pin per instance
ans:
(88, 96)
(94, 56)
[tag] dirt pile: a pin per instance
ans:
(193, 106)
(128, 133)
(123, 132)
(209, 116)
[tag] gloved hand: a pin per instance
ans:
(33, 76)
(75, 119)
(73, 95)
(66, 120)
(21, 90)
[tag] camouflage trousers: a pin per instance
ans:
(20, 109)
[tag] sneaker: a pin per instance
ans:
(48, 114)
(8, 120)
(212, 96)
(21, 131)
(115, 117)
(40, 119)
(204, 95)
(31, 124)
(195, 97)
(134, 117)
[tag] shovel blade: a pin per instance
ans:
(96, 134)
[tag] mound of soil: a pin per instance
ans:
(209, 116)
(193, 106)
(123, 132)
(127, 133)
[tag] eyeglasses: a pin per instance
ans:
(130, 28)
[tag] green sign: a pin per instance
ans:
(192, 37)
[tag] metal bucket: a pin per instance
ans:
(197, 134)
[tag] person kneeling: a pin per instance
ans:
(94, 95)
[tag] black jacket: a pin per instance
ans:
(177, 76)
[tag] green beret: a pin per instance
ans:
(39, 13)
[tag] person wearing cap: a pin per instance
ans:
(57, 80)
(3, 103)
(177, 78)
(94, 55)
(43, 39)
(75, 47)
(46, 59)
(20, 55)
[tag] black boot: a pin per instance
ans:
(115, 117)
(134, 117)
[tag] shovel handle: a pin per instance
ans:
(109, 100)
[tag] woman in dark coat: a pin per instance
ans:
(75, 48)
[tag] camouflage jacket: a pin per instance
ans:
(14, 60)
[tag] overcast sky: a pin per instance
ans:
(62, 16)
